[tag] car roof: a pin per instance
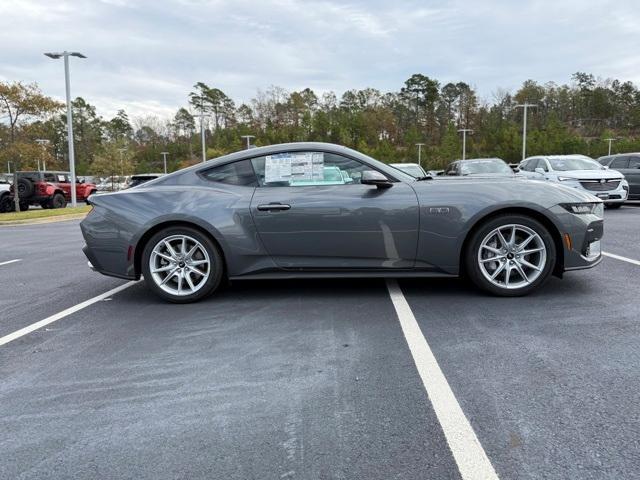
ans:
(293, 147)
(576, 156)
(147, 174)
(476, 159)
(406, 164)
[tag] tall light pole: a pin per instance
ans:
(610, 140)
(72, 159)
(248, 139)
(420, 145)
(204, 149)
(164, 159)
(525, 106)
(464, 141)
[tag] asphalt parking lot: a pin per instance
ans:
(313, 379)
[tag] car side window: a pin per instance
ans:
(542, 163)
(49, 177)
(527, 165)
(307, 169)
(619, 162)
(235, 173)
(634, 162)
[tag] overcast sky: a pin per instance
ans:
(144, 56)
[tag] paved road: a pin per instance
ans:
(314, 379)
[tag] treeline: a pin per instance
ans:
(572, 118)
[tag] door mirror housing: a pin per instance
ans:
(605, 167)
(373, 177)
(540, 170)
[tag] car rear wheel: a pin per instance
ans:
(181, 265)
(58, 201)
(510, 255)
(24, 206)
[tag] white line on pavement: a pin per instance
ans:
(468, 453)
(10, 261)
(619, 257)
(53, 318)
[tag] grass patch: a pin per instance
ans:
(42, 213)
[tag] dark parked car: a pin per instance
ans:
(627, 164)
(479, 166)
(141, 178)
(308, 210)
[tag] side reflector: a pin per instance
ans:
(567, 241)
(129, 253)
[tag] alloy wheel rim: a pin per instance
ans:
(179, 265)
(512, 256)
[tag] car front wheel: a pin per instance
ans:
(510, 255)
(182, 265)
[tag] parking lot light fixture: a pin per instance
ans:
(202, 116)
(610, 140)
(464, 132)
(420, 145)
(248, 139)
(72, 160)
(164, 159)
(525, 106)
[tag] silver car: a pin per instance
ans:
(317, 210)
(579, 172)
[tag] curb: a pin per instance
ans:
(38, 221)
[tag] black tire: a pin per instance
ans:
(6, 204)
(25, 187)
(472, 264)
(58, 201)
(24, 206)
(216, 264)
(46, 204)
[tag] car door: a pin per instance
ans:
(312, 212)
(633, 175)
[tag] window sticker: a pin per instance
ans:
(288, 167)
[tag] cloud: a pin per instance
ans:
(144, 56)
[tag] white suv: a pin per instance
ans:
(581, 172)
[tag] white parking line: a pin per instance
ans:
(467, 451)
(53, 318)
(620, 257)
(10, 261)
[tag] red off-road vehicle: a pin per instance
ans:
(49, 189)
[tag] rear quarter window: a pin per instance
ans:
(236, 173)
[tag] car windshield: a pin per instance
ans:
(566, 164)
(472, 167)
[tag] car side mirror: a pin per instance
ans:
(606, 167)
(539, 170)
(373, 177)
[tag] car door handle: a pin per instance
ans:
(269, 207)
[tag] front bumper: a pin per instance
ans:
(581, 236)
(617, 195)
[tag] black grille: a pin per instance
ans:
(597, 186)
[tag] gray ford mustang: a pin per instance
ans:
(304, 210)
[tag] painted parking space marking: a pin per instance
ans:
(470, 457)
(64, 313)
(10, 261)
(620, 257)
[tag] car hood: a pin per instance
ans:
(590, 174)
(513, 189)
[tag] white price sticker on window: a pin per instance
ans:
(287, 167)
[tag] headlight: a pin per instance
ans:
(596, 208)
(566, 179)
